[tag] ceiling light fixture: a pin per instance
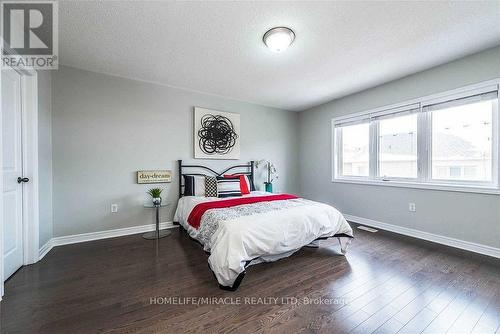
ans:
(278, 39)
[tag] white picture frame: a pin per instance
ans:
(217, 134)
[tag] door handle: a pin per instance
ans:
(22, 179)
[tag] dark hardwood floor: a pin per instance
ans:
(386, 284)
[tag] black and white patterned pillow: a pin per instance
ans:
(194, 185)
(228, 187)
(211, 186)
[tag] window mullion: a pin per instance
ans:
(340, 157)
(374, 138)
(496, 144)
(423, 146)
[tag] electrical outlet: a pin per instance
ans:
(114, 208)
(412, 207)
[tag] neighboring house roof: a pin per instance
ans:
(404, 145)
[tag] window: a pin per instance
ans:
(355, 150)
(462, 139)
(446, 141)
(398, 147)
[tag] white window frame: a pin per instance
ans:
(338, 157)
(424, 143)
(376, 146)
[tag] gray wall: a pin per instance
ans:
(105, 128)
(45, 155)
(466, 216)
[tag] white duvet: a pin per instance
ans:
(252, 233)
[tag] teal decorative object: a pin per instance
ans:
(272, 173)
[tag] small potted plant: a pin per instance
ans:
(155, 193)
(272, 173)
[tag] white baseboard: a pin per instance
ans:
(45, 249)
(84, 237)
(452, 242)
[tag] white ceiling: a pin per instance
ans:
(216, 47)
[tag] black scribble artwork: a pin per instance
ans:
(216, 135)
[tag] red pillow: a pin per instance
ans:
(244, 185)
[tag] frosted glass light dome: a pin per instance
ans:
(279, 39)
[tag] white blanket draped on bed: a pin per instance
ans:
(259, 232)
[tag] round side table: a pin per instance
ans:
(157, 234)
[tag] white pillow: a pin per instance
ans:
(228, 187)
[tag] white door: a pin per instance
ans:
(12, 169)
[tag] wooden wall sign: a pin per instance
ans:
(154, 176)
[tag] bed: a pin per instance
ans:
(257, 227)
